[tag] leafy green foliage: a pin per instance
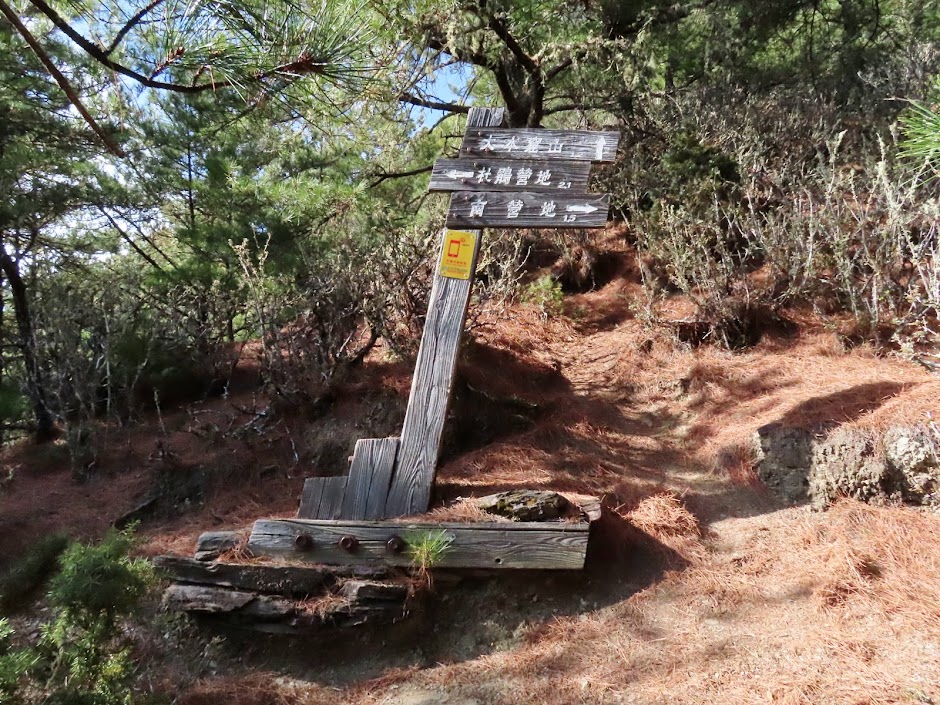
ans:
(81, 657)
(15, 663)
(100, 582)
(21, 580)
(921, 125)
(13, 405)
(547, 294)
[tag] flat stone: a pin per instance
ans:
(524, 505)
(212, 544)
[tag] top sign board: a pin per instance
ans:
(567, 145)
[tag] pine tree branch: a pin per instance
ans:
(60, 78)
(411, 98)
(127, 238)
(102, 56)
(400, 174)
(130, 24)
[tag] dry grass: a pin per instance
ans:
(664, 516)
(463, 509)
(323, 605)
(764, 606)
(750, 625)
(259, 688)
(878, 559)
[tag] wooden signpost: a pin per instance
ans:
(507, 178)
(504, 178)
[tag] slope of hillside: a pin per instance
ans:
(700, 588)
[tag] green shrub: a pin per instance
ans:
(29, 572)
(101, 581)
(13, 405)
(81, 657)
(546, 293)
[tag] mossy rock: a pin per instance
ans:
(525, 505)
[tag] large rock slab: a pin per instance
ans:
(784, 457)
(524, 505)
(847, 463)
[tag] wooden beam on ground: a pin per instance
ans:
(431, 387)
(531, 545)
(358, 602)
(322, 497)
(369, 478)
(285, 580)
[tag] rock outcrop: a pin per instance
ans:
(801, 465)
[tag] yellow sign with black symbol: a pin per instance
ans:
(457, 255)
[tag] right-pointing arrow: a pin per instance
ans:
(581, 209)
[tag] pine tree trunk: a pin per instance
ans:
(24, 324)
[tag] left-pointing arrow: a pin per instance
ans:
(581, 209)
(454, 174)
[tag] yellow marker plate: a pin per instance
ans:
(457, 255)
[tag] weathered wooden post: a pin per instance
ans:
(507, 178)
(433, 380)
(504, 178)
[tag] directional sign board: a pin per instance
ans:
(503, 175)
(525, 178)
(483, 209)
(564, 145)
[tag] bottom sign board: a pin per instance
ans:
(483, 209)
(457, 254)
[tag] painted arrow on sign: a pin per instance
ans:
(581, 209)
(504, 175)
(482, 209)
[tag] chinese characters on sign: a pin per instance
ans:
(502, 175)
(525, 178)
(568, 145)
(527, 210)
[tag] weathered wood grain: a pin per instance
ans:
(565, 145)
(310, 498)
(331, 503)
(369, 478)
(361, 603)
(288, 581)
(501, 175)
(431, 387)
(322, 498)
(541, 545)
(480, 209)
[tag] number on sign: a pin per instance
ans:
(570, 218)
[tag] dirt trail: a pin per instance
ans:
(762, 603)
(700, 587)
